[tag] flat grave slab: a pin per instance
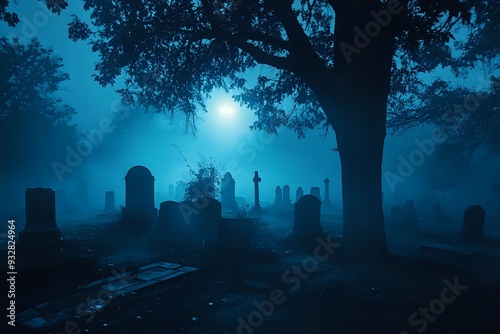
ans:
(449, 249)
(64, 308)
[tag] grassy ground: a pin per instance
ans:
(276, 288)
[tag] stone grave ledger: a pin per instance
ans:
(139, 209)
(307, 218)
(41, 227)
(473, 223)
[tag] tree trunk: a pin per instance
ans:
(357, 110)
(360, 143)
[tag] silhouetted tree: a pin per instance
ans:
(35, 126)
(333, 60)
(470, 116)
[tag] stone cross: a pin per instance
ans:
(327, 192)
(256, 180)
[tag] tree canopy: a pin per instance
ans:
(34, 122)
(186, 48)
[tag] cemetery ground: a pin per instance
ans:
(443, 287)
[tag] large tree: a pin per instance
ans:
(468, 115)
(333, 60)
(35, 124)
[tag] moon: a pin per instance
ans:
(226, 109)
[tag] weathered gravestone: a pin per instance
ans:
(278, 197)
(41, 230)
(326, 201)
(405, 215)
(109, 201)
(171, 218)
(299, 193)
(235, 234)
(180, 191)
(139, 211)
(315, 191)
(227, 193)
(207, 220)
(307, 215)
(287, 202)
(473, 223)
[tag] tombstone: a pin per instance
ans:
(278, 198)
(109, 201)
(405, 215)
(326, 201)
(207, 220)
(307, 215)
(139, 210)
(180, 191)
(227, 193)
(287, 202)
(299, 193)
(60, 200)
(473, 223)
(315, 191)
(171, 219)
(235, 235)
(82, 195)
(40, 231)
(171, 192)
(256, 181)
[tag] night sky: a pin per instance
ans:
(222, 134)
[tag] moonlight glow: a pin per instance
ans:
(227, 109)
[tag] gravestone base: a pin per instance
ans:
(138, 220)
(40, 239)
